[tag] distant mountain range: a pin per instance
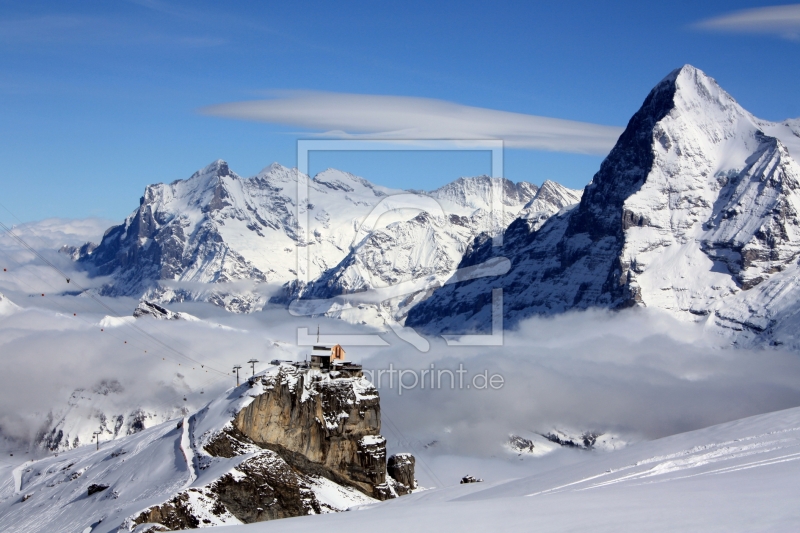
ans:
(694, 211)
(233, 241)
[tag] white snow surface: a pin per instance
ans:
(741, 476)
(140, 470)
(7, 307)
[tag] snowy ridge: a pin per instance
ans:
(158, 312)
(551, 198)
(229, 240)
(694, 211)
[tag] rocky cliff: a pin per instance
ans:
(322, 424)
(694, 211)
(302, 434)
(288, 442)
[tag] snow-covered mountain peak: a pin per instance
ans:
(696, 206)
(7, 307)
(476, 193)
(276, 175)
(207, 176)
(216, 227)
(554, 193)
(339, 180)
(551, 198)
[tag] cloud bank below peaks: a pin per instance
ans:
(365, 116)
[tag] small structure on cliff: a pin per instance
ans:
(332, 359)
(323, 356)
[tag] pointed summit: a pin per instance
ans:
(218, 168)
(7, 307)
(694, 211)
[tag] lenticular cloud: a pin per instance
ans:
(363, 116)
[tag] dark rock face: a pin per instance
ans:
(573, 260)
(586, 441)
(270, 489)
(320, 426)
(470, 479)
(401, 468)
(174, 514)
(154, 310)
(94, 488)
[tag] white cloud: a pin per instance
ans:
(344, 115)
(779, 20)
(637, 373)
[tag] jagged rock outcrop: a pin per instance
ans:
(694, 211)
(586, 441)
(400, 467)
(330, 427)
(520, 444)
(156, 311)
(304, 435)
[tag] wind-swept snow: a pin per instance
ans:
(741, 476)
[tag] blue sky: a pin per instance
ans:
(99, 99)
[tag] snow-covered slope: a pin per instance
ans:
(551, 198)
(421, 252)
(219, 237)
(694, 211)
(202, 471)
(7, 307)
(102, 408)
(742, 476)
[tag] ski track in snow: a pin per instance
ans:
(689, 459)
